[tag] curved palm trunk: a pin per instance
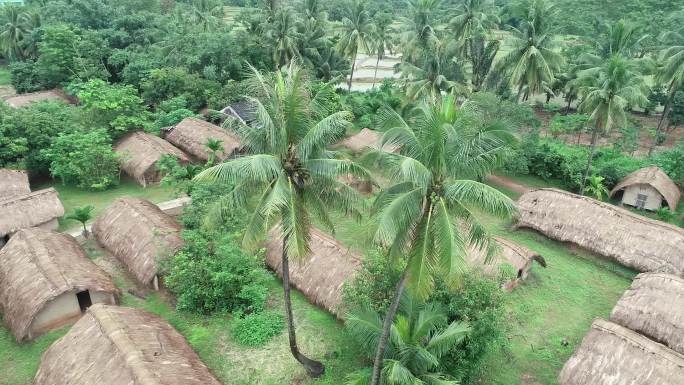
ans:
(663, 118)
(313, 368)
(594, 136)
(375, 76)
(351, 77)
(386, 327)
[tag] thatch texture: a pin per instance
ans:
(654, 306)
(113, 345)
(322, 275)
(364, 140)
(140, 152)
(13, 183)
(36, 267)
(22, 100)
(139, 234)
(614, 355)
(519, 257)
(631, 239)
(29, 210)
(191, 135)
(656, 178)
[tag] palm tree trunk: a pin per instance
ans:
(352, 71)
(386, 327)
(313, 368)
(594, 136)
(375, 76)
(663, 118)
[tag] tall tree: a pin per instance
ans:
(284, 36)
(427, 216)
(436, 71)
(672, 74)
(607, 92)
(532, 62)
(419, 27)
(356, 34)
(382, 39)
(14, 30)
(290, 173)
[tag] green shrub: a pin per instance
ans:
(373, 285)
(257, 329)
(665, 214)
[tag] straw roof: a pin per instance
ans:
(113, 345)
(139, 234)
(191, 135)
(519, 257)
(22, 100)
(633, 240)
(365, 139)
(656, 178)
(29, 210)
(321, 276)
(614, 355)
(140, 153)
(13, 183)
(39, 266)
(654, 307)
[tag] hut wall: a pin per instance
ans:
(64, 310)
(653, 202)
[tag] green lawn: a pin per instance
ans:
(74, 197)
(18, 363)
(5, 77)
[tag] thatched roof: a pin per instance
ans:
(656, 178)
(140, 152)
(654, 306)
(191, 135)
(614, 355)
(22, 100)
(37, 267)
(364, 140)
(633, 240)
(13, 183)
(29, 210)
(322, 275)
(139, 234)
(519, 257)
(113, 345)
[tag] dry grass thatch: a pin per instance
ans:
(654, 306)
(656, 178)
(29, 210)
(364, 140)
(139, 234)
(39, 266)
(635, 241)
(614, 355)
(322, 275)
(191, 135)
(519, 257)
(140, 152)
(113, 345)
(13, 183)
(22, 100)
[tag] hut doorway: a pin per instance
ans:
(4, 240)
(84, 301)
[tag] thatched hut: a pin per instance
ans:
(191, 135)
(113, 345)
(647, 188)
(37, 209)
(22, 100)
(364, 140)
(517, 256)
(321, 276)
(244, 111)
(47, 281)
(633, 240)
(139, 235)
(140, 152)
(13, 183)
(614, 355)
(654, 306)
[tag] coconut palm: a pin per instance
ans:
(288, 174)
(435, 72)
(595, 187)
(532, 62)
(607, 92)
(419, 27)
(284, 36)
(14, 30)
(427, 218)
(421, 337)
(206, 13)
(357, 29)
(672, 73)
(214, 146)
(382, 39)
(82, 215)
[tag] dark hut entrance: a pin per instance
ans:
(84, 301)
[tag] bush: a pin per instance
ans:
(257, 329)
(373, 285)
(672, 162)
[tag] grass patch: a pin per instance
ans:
(5, 76)
(19, 362)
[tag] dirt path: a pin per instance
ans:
(507, 183)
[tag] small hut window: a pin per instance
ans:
(84, 301)
(641, 201)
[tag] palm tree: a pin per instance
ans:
(427, 215)
(419, 27)
(284, 36)
(672, 73)
(206, 13)
(422, 336)
(382, 39)
(289, 173)
(435, 73)
(532, 62)
(82, 215)
(356, 34)
(14, 30)
(595, 187)
(214, 146)
(608, 91)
